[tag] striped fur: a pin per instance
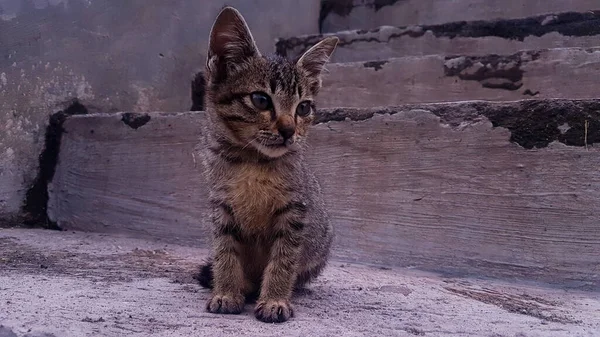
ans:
(271, 230)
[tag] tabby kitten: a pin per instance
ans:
(271, 232)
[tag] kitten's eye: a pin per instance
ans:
(261, 101)
(303, 109)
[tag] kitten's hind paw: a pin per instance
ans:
(274, 311)
(225, 304)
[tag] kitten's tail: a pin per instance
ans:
(205, 275)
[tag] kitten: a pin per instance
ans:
(271, 231)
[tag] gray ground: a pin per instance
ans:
(80, 284)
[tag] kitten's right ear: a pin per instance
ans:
(314, 60)
(231, 42)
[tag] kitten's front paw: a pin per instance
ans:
(274, 311)
(225, 304)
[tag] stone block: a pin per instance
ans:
(572, 73)
(487, 189)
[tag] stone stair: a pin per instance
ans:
(463, 147)
(551, 73)
(507, 189)
(497, 51)
(501, 36)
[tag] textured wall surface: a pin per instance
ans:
(112, 55)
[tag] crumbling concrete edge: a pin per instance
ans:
(344, 8)
(34, 209)
(533, 123)
(573, 24)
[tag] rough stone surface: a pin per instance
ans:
(491, 189)
(338, 15)
(502, 36)
(556, 73)
(67, 284)
(112, 55)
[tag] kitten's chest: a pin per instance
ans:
(254, 193)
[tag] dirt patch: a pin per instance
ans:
(415, 331)
(135, 120)
(518, 304)
(14, 256)
(138, 263)
(491, 71)
(377, 65)
(93, 320)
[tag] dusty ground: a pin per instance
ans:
(78, 284)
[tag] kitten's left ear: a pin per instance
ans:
(314, 60)
(231, 42)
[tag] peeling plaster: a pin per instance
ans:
(532, 123)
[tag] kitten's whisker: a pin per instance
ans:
(251, 140)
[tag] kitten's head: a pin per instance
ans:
(256, 102)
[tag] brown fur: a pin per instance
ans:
(255, 194)
(271, 230)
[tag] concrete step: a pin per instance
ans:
(492, 189)
(503, 36)
(551, 73)
(337, 15)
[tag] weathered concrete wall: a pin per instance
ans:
(473, 37)
(112, 55)
(341, 15)
(555, 73)
(490, 189)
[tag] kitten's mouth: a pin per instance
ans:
(285, 143)
(276, 142)
(274, 149)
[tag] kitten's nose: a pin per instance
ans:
(286, 131)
